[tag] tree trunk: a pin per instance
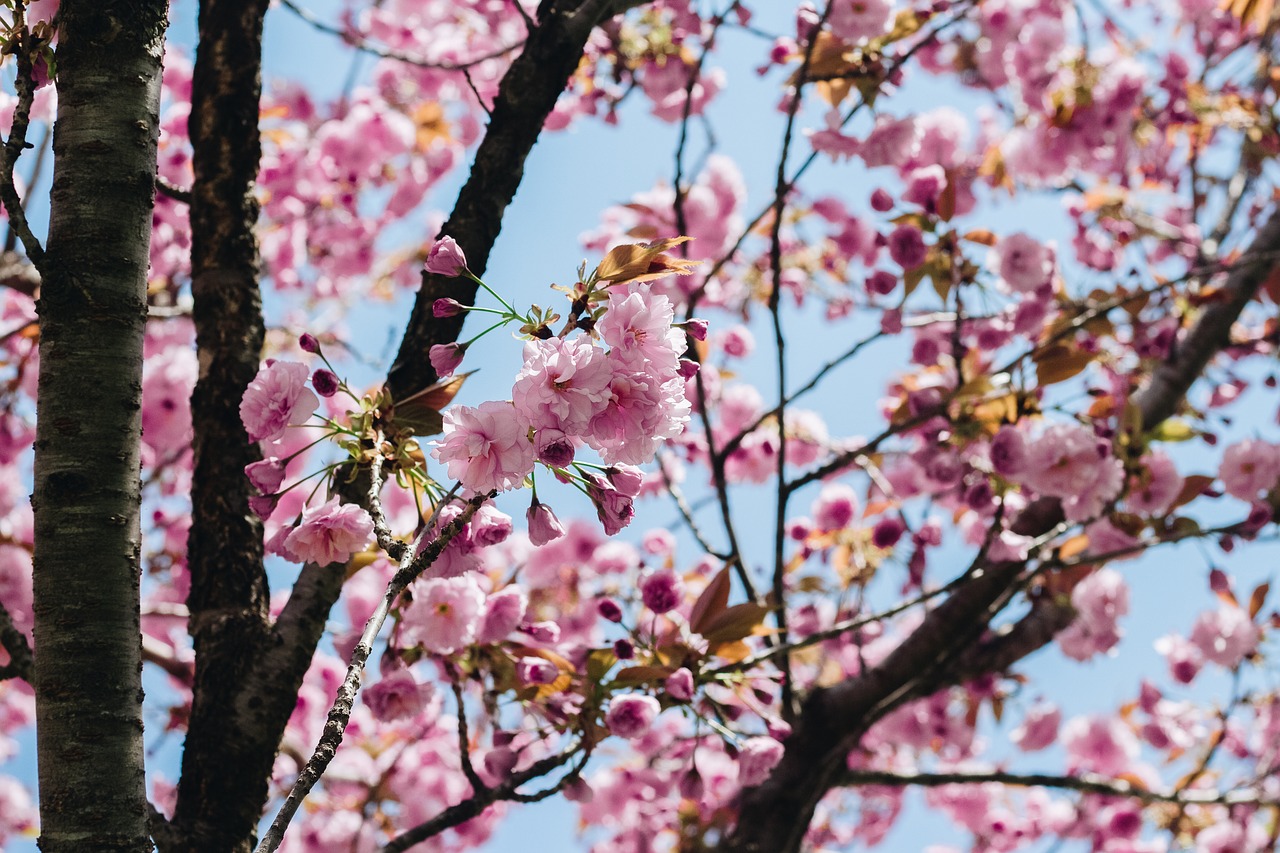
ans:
(86, 490)
(226, 760)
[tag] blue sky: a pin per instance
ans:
(573, 175)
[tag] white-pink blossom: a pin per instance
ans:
(486, 447)
(329, 533)
(277, 397)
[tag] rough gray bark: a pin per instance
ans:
(86, 489)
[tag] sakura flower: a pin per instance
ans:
(1039, 727)
(266, 475)
(1250, 467)
(277, 397)
(503, 613)
(679, 685)
(660, 591)
(535, 670)
(758, 756)
(1100, 744)
(544, 527)
(1022, 262)
(1225, 636)
(397, 696)
(631, 715)
(1099, 600)
(446, 258)
(562, 384)
(486, 447)
(445, 614)
(854, 20)
(329, 533)
(445, 358)
(637, 327)
(1069, 462)
(835, 507)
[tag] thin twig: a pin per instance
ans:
(1084, 783)
(359, 42)
(340, 711)
(20, 663)
(17, 141)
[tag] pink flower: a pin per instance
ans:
(1023, 263)
(485, 448)
(1157, 487)
(397, 696)
(446, 307)
(1008, 452)
(1100, 744)
(1099, 600)
(614, 509)
(563, 384)
(1068, 461)
(445, 614)
(757, 758)
(1225, 636)
(543, 525)
(637, 327)
(446, 258)
(1184, 659)
(661, 591)
(326, 382)
(906, 246)
(489, 526)
(277, 397)
(640, 411)
(631, 715)
(534, 670)
(554, 447)
(1039, 727)
(330, 533)
(835, 508)
(679, 685)
(503, 613)
(854, 20)
(445, 358)
(266, 476)
(1250, 467)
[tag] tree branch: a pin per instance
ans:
(15, 643)
(775, 814)
(340, 712)
(1085, 783)
(228, 755)
(526, 96)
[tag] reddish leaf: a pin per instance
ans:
(712, 602)
(735, 623)
(1258, 598)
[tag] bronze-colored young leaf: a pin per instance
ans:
(419, 413)
(735, 623)
(712, 602)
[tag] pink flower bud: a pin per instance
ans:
(688, 368)
(267, 475)
(881, 201)
(680, 685)
(445, 358)
(661, 591)
(447, 307)
(544, 527)
(325, 382)
(697, 329)
(532, 670)
(609, 609)
(446, 258)
(307, 343)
